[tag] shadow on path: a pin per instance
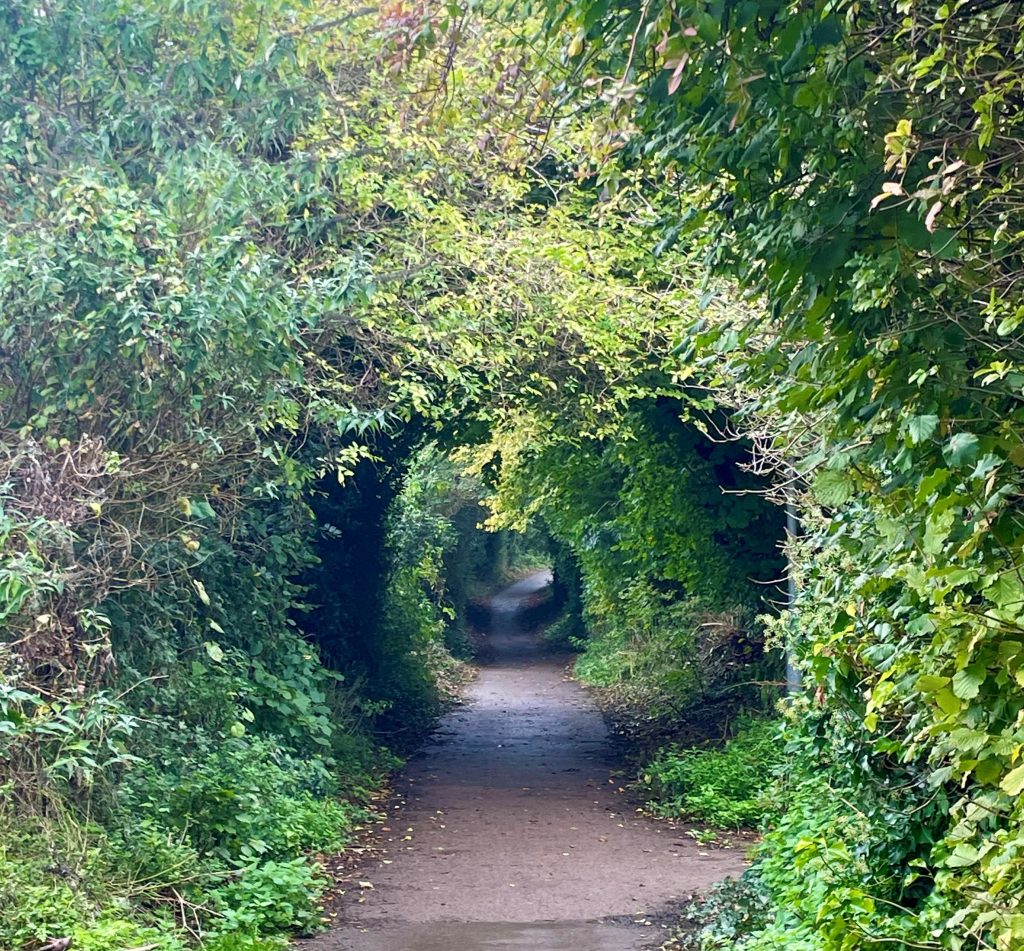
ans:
(514, 835)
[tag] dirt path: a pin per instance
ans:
(513, 835)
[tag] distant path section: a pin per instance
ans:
(513, 835)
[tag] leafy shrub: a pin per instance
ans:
(661, 644)
(62, 878)
(69, 747)
(732, 787)
(568, 633)
(730, 909)
(35, 902)
(244, 941)
(829, 876)
(115, 932)
(274, 896)
(239, 799)
(148, 858)
(225, 830)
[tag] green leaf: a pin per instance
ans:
(833, 488)
(1007, 592)
(202, 509)
(967, 682)
(1008, 650)
(987, 771)
(963, 856)
(930, 683)
(920, 428)
(937, 529)
(1013, 781)
(215, 651)
(932, 482)
(985, 465)
(961, 450)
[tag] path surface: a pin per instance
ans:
(513, 835)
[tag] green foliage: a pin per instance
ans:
(729, 911)
(734, 787)
(524, 552)
(72, 880)
(850, 165)
(825, 875)
(231, 256)
(219, 826)
(61, 747)
(58, 878)
(674, 546)
(271, 897)
(434, 556)
(173, 277)
(238, 799)
(115, 933)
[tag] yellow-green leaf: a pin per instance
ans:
(1013, 781)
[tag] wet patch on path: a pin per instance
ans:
(513, 834)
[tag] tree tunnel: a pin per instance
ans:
(664, 548)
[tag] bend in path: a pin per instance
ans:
(513, 835)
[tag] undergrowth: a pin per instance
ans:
(732, 787)
(214, 837)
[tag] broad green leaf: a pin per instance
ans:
(947, 702)
(930, 683)
(988, 770)
(937, 529)
(963, 856)
(1013, 781)
(961, 450)
(934, 480)
(920, 428)
(832, 488)
(1008, 591)
(967, 682)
